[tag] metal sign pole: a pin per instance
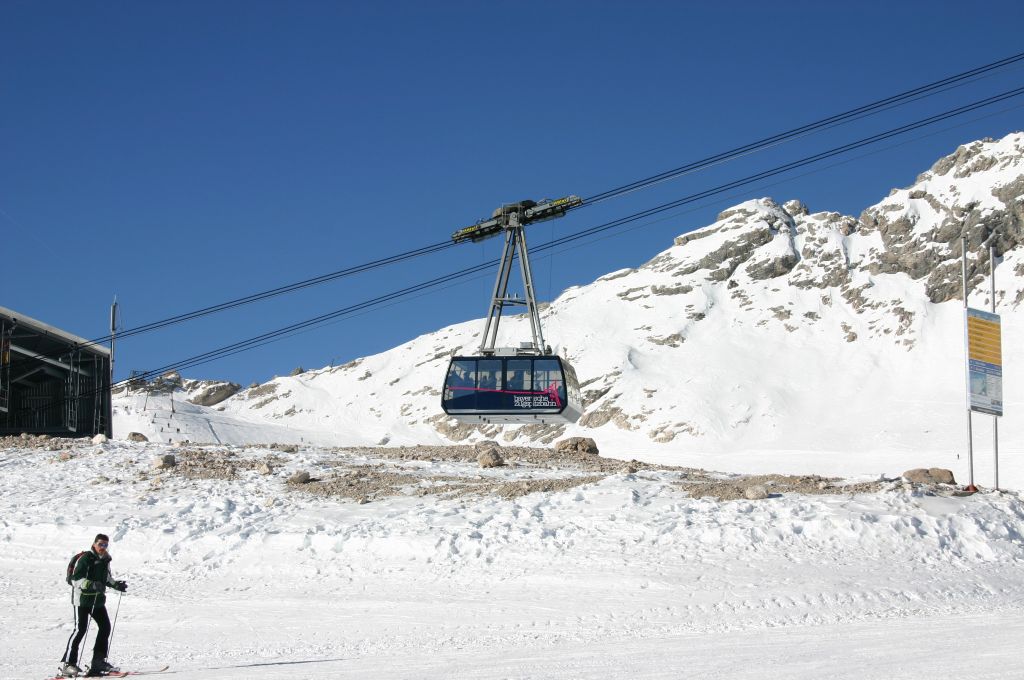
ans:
(113, 335)
(967, 370)
(995, 418)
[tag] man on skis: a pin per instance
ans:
(89, 581)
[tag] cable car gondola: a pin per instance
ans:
(521, 385)
(511, 389)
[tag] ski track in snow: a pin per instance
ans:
(624, 577)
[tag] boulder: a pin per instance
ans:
(577, 445)
(299, 370)
(929, 476)
(755, 492)
(265, 469)
(99, 439)
(485, 445)
(300, 477)
(137, 437)
(164, 462)
(490, 458)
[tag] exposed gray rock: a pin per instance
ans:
(769, 269)
(755, 492)
(795, 208)
(99, 439)
(490, 458)
(297, 371)
(164, 462)
(929, 476)
(137, 437)
(300, 477)
(678, 289)
(211, 393)
(485, 445)
(577, 445)
(265, 469)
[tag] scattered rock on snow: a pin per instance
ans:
(265, 469)
(164, 462)
(929, 476)
(99, 439)
(137, 437)
(486, 445)
(577, 445)
(300, 477)
(755, 492)
(488, 454)
(491, 457)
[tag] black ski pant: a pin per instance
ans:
(99, 650)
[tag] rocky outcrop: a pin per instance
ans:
(210, 392)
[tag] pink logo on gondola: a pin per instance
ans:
(551, 392)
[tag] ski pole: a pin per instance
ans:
(113, 626)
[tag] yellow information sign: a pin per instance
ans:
(985, 361)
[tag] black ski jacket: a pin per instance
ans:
(90, 579)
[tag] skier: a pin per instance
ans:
(90, 579)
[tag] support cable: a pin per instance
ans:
(847, 116)
(264, 338)
(695, 166)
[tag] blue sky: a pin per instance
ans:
(180, 154)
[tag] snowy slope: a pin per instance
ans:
(236, 574)
(774, 330)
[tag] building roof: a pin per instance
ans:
(47, 329)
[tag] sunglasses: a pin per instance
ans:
(103, 544)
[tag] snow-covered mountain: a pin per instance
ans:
(773, 328)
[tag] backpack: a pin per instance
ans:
(71, 565)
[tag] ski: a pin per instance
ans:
(116, 674)
(125, 674)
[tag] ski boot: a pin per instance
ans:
(100, 668)
(68, 670)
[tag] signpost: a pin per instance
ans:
(983, 339)
(984, 362)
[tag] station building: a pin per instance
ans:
(51, 382)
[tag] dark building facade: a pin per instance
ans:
(51, 382)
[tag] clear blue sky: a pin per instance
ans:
(178, 154)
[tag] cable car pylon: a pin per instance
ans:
(523, 384)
